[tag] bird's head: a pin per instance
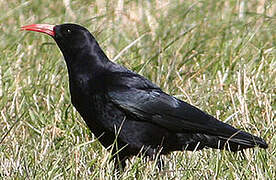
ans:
(72, 39)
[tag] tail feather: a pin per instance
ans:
(238, 141)
(242, 140)
(229, 138)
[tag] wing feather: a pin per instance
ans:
(139, 97)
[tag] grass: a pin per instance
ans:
(217, 55)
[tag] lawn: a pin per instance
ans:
(217, 55)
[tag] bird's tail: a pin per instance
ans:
(241, 140)
(237, 141)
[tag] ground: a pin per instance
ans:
(217, 55)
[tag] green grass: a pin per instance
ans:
(217, 55)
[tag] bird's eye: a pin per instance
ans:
(67, 32)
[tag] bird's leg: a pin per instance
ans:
(160, 163)
(119, 163)
(155, 155)
(119, 160)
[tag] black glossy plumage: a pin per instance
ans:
(111, 99)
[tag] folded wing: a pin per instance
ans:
(140, 98)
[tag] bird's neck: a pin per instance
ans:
(92, 59)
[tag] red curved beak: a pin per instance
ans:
(44, 28)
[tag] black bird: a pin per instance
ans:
(120, 105)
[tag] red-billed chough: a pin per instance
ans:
(118, 104)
